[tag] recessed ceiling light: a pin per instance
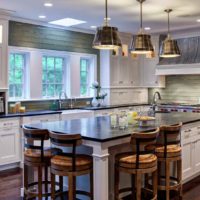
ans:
(48, 4)
(42, 16)
(198, 20)
(147, 28)
(93, 27)
(67, 22)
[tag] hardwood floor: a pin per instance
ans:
(11, 182)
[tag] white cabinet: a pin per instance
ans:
(190, 151)
(3, 53)
(10, 141)
(147, 67)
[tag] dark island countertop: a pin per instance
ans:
(110, 106)
(32, 113)
(98, 128)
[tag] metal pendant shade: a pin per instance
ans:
(169, 48)
(141, 43)
(107, 37)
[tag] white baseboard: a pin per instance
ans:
(9, 166)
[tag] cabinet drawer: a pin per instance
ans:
(9, 122)
(40, 119)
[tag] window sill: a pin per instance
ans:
(46, 99)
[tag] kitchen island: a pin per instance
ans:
(105, 142)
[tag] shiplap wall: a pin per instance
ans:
(42, 37)
(180, 88)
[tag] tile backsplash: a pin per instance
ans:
(180, 89)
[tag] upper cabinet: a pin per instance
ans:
(119, 69)
(3, 54)
(147, 68)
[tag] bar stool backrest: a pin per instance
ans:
(67, 140)
(142, 139)
(32, 135)
(170, 135)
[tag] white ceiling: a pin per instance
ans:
(124, 13)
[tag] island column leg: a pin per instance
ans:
(101, 175)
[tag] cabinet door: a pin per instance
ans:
(196, 154)
(133, 72)
(9, 145)
(187, 156)
(114, 70)
(124, 72)
(187, 153)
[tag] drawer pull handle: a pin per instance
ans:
(187, 131)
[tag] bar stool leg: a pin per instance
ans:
(179, 176)
(46, 178)
(91, 185)
(167, 184)
(25, 181)
(52, 186)
(40, 183)
(155, 184)
(133, 185)
(70, 187)
(61, 183)
(139, 186)
(116, 181)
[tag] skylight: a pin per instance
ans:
(67, 22)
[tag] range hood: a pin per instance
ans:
(187, 63)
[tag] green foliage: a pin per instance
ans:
(16, 75)
(84, 65)
(52, 76)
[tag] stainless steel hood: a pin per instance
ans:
(187, 63)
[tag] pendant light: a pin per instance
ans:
(107, 37)
(169, 48)
(141, 43)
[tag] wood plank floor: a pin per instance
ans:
(11, 182)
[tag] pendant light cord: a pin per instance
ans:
(106, 12)
(168, 25)
(141, 20)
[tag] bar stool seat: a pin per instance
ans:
(83, 162)
(147, 160)
(172, 150)
(35, 153)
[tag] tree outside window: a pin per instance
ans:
(16, 75)
(52, 76)
(84, 76)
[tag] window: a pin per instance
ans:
(52, 76)
(84, 76)
(16, 75)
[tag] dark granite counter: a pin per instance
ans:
(111, 106)
(98, 128)
(33, 113)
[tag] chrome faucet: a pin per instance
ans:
(61, 101)
(72, 102)
(156, 97)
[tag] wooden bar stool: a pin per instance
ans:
(70, 165)
(36, 156)
(137, 164)
(168, 151)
